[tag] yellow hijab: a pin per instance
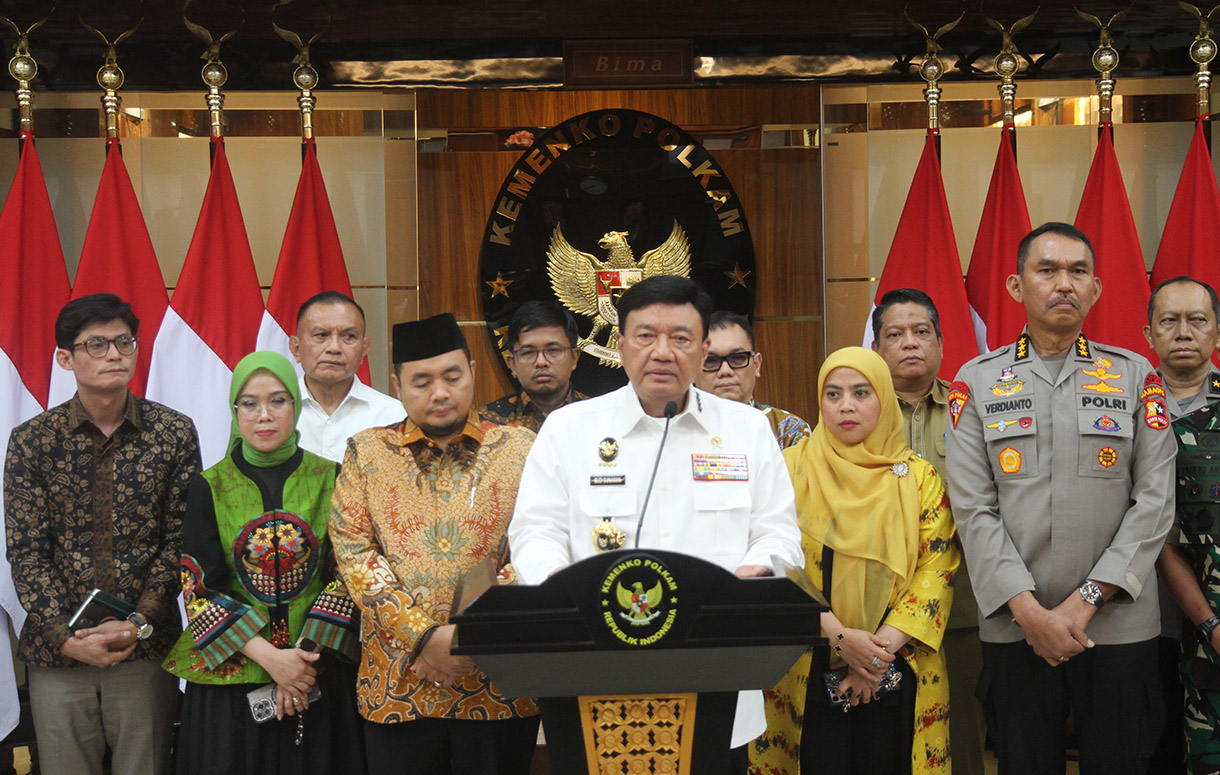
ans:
(850, 497)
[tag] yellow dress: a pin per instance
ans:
(920, 610)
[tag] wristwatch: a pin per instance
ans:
(1092, 594)
(143, 628)
(1203, 631)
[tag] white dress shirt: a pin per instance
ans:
(728, 522)
(363, 407)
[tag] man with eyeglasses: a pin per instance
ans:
(541, 342)
(732, 367)
(94, 493)
(330, 344)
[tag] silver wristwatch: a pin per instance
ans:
(143, 628)
(1092, 594)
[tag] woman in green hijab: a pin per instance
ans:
(266, 610)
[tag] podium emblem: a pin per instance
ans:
(639, 600)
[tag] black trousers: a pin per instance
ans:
(1169, 758)
(1113, 693)
(872, 739)
(428, 746)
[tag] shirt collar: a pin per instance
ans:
(699, 406)
(354, 393)
(77, 415)
(412, 433)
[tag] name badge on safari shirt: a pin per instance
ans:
(720, 467)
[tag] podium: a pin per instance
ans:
(637, 656)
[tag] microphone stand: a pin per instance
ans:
(670, 410)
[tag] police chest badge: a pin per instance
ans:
(638, 600)
(959, 394)
(1008, 384)
(1153, 399)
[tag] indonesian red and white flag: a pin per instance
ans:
(118, 257)
(924, 256)
(310, 262)
(1005, 221)
(212, 320)
(1104, 216)
(33, 288)
(1190, 243)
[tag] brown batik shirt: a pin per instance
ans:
(84, 510)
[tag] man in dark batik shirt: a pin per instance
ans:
(541, 342)
(94, 492)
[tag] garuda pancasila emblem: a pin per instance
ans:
(639, 607)
(591, 286)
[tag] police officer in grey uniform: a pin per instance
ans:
(1182, 328)
(1060, 473)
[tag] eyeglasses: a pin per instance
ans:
(98, 346)
(737, 360)
(549, 354)
(251, 409)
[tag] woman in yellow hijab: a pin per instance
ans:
(876, 528)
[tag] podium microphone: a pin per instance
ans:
(670, 410)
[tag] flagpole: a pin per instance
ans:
(214, 74)
(1007, 65)
(305, 77)
(110, 78)
(1105, 60)
(1202, 52)
(23, 68)
(931, 71)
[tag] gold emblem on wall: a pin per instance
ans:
(591, 287)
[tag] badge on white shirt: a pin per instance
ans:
(720, 467)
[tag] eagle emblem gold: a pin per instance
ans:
(639, 607)
(591, 287)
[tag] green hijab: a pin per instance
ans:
(279, 367)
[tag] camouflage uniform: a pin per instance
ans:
(1198, 515)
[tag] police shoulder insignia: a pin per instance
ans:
(1023, 347)
(959, 394)
(1155, 415)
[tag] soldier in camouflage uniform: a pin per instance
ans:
(1182, 329)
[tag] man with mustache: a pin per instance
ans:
(1060, 473)
(1182, 328)
(541, 341)
(416, 505)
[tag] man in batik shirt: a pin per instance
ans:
(732, 367)
(542, 355)
(416, 505)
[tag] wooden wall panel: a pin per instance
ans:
(456, 193)
(779, 192)
(792, 355)
(490, 381)
(501, 108)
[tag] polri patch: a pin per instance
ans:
(959, 394)
(726, 467)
